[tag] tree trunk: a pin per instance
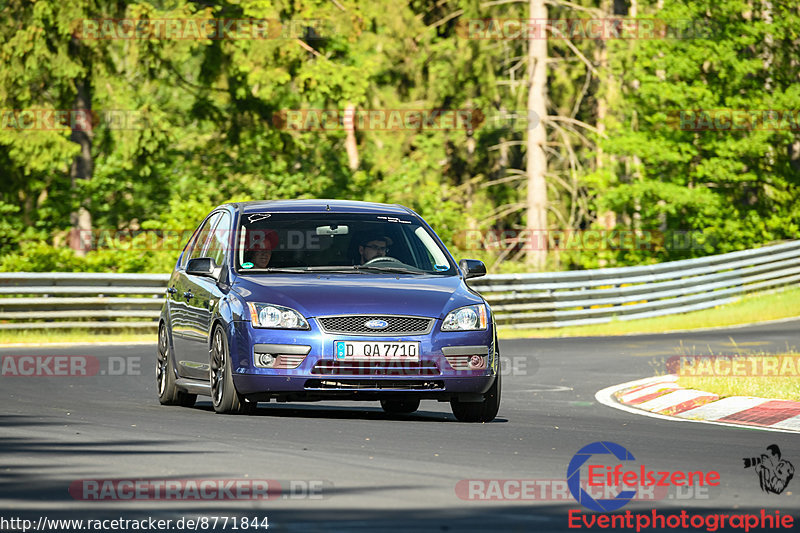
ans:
(608, 219)
(82, 166)
(350, 142)
(536, 167)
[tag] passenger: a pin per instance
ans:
(261, 252)
(261, 257)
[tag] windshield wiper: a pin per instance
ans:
(389, 269)
(332, 268)
(361, 269)
(321, 268)
(273, 269)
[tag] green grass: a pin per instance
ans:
(781, 384)
(750, 308)
(75, 336)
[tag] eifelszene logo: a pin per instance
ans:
(614, 477)
(774, 473)
(574, 476)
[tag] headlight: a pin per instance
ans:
(276, 316)
(471, 317)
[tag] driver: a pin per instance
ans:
(373, 246)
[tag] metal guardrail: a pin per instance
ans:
(62, 300)
(549, 299)
(596, 296)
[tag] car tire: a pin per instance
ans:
(400, 407)
(168, 392)
(483, 411)
(223, 393)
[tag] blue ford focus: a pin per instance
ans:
(309, 300)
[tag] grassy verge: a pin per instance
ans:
(76, 336)
(750, 308)
(766, 376)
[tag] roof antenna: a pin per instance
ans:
(327, 207)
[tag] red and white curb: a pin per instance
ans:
(661, 397)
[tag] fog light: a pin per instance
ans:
(476, 361)
(265, 360)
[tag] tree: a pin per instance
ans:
(536, 160)
(710, 189)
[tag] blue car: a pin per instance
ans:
(313, 300)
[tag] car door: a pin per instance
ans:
(177, 303)
(207, 293)
(186, 317)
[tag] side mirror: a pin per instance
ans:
(472, 268)
(203, 266)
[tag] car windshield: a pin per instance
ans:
(335, 242)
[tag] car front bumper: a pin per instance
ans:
(441, 372)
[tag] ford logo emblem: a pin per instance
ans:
(376, 324)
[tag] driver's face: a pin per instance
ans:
(372, 249)
(261, 258)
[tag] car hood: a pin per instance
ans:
(344, 294)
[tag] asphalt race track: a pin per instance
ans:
(367, 470)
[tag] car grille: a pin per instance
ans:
(356, 324)
(375, 368)
(372, 384)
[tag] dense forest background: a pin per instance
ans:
(572, 134)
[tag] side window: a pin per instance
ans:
(187, 250)
(218, 240)
(201, 241)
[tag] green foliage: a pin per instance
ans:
(207, 128)
(124, 256)
(737, 187)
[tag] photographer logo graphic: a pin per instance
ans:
(574, 476)
(619, 481)
(773, 472)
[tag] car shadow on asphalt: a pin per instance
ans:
(40, 466)
(296, 410)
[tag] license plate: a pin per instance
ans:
(368, 351)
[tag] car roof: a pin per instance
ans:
(319, 206)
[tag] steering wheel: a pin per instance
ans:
(382, 259)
